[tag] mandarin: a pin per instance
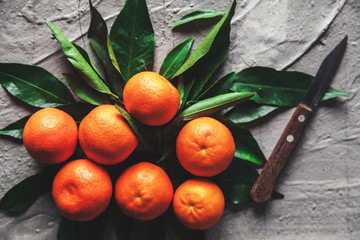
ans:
(82, 190)
(205, 147)
(151, 99)
(50, 136)
(105, 136)
(144, 191)
(198, 204)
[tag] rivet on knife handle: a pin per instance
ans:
(264, 185)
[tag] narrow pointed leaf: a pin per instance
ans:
(25, 193)
(80, 64)
(15, 129)
(221, 86)
(196, 15)
(216, 42)
(247, 147)
(84, 91)
(175, 58)
(98, 37)
(34, 85)
(249, 111)
(213, 105)
(184, 90)
(133, 39)
(279, 88)
(86, 56)
(140, 132)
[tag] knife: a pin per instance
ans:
(264, 185)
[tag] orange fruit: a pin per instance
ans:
(82, 190)
(151, 99)
(144, 191)
(205, 147)
(198, 204)
(50, 136)
(105, 136)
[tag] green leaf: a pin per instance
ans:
(99, 39)
(86, 56)
(90, 230)
(34, 85)
(133, 39)
(220, 86)
(236, 182)
(249, 111)
(279, 88)
(80, 64)
(175, 58)
(140, 132)
(247, 147)
(15, 129)
(213, 105)
(25, 193)
(84, 91)
(208, 56)
(196, 15)
(184, 89)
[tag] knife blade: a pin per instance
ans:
(264, 185)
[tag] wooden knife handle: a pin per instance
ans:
(264, 185)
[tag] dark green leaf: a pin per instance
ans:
(221, 86)
(277, 195)
(34, 85)
(249, 111)
(213, 105)
(236, 182)
(25, 193)
(279, 88)
(133, 39)
(196, 15)
(208, 56)
(140, 132)
(175, 58)
(99, 38)
(15, 129)
(184, 88)
(90, 230)
(84, 91)
(247, 147)
(81, 65)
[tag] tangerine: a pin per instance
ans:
(82, 190)
(144, 191)
(105, 136)
(50, 136)
(151, 99)
(205, 147)
(198, 204)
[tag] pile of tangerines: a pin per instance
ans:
(82, 189)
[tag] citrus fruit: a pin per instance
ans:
(151, 99)
(82, 190)
(205, 147)
(143, 191)
(50, 136)
(198, 204)
(105, 136)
